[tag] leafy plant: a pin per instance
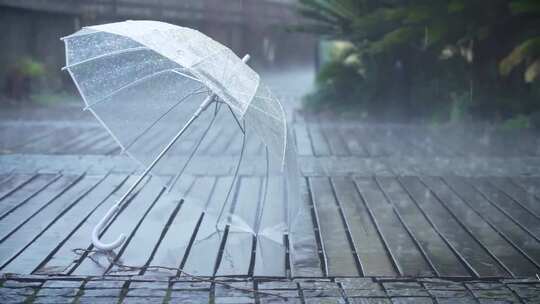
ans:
(29, 67)
(515, 123)
(22, 77)
(412, 55)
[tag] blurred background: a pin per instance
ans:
(431, 62)
(32, 54)
(435, 61)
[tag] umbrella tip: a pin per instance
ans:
(246, 58)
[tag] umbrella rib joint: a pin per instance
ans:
(98, 229)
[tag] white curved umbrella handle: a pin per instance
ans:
(99, 228)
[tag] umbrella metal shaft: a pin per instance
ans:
(114, 209)
(99, 227)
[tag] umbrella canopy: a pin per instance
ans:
(145, 80)
(121, 60)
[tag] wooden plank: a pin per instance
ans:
(437, 251)
(151, 144)
(474, 225)
(235, 145)
(141, 246)
(12, 183)
(200, 259)
(221, 143)
(519, 238)
(368, 245)
(126, 222)
(270, 249)
(335, 142)
(254, 145)
(90, 146)
(64, 259)
(298, 117)
(527, 142)
(354, 143)
(67, 146)
(436, 202)
(427, 143)
(174, 243)
(318, 142)
(341, 261)
(39, 250)
(438, 136)
(403, 140)
(531, 185)
(303, 141)
(102, 146)
(16, 137)
(6, 176)
(375, 142)
(13, 244)
(45, 144)
(407, 258)
(237, 253)
(213, 134)
(305, 258)
(187, 143)
(520, 215)
(530, 202)
(31, 207)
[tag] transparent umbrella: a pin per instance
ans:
(159, 90)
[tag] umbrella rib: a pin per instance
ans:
(186, 75)
(78, 34)
(89, 29)
(194, 92)
(195, 149)
(236, 119)
(128, 50)
(260, 209)
(235, 177)
(132, 84)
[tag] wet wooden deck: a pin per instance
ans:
(371, 220)
(318, 139)
(381, 226)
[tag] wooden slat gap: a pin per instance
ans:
(461, 258)
(66, 209)
(126, 242)
(395, 264)
(91, 246)
(316, 228)
(357, 261)
(53, 252)
(485, 220)
(407, 228)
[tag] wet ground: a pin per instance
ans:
(309, 291)
(405, 205)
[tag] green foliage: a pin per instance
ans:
(22, 78)
(516, 123)
(47, 98)
(430, 59)
(29, 67)
(341, 79)
(527, 50)
(525, 7)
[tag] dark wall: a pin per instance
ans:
(36, 34)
